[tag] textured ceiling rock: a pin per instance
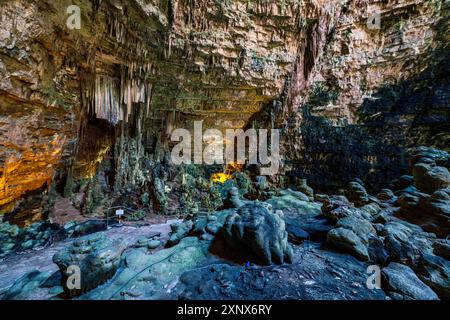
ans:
(219, 61)
(160, 64)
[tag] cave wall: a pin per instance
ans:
(145, 66)
(371, 95)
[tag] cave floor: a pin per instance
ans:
(190, 271)
(17, 265)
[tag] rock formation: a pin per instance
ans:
(357, 89)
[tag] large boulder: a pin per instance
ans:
(362, 228)
(421, 154)
(302, 186)
(357, 194)
(348, 241)
(435, 272)
(401, 283)
(435, 211)
(180, 230)
(406, 242)
(97, 258)
(261, 232)
(432, 213)
(150, 276)
(429, 178)
(233, 199)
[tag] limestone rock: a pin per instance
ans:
(26, 285)
(441, 247)
(233, 200)
(406, 242)
(435, 272)
(430, 178)
(403, 282)
(421, 153)
(362, 228)
(149, 276)
(97, 257)
(357, 194)
(254, 228)
(302, 186)
(179, 231)
(348, 241)
(387, 195)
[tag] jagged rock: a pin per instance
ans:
(261, 232)
(441, 247)
(421, 153)
(331, 203)
(432, 213)
(348, 241)
(435, 272)
(376, 250)
(97, 257)
(362, 228)
(26, 285)
(15, 239)
(406, 242)
(302, 186)
(402, 183)
(435, 214)
(357, 194)
(8, 235)
(347, 211)
(401, 282)
(429, 178)
(78, 229)
(179, 231)
(233, 200)
(387, 195)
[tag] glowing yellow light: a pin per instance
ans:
(220, 177)
(224, 177)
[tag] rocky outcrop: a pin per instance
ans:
(402, 284)
(260, 232)
(15, 239)
(426, 202)
(97, 258)
(374, 92)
